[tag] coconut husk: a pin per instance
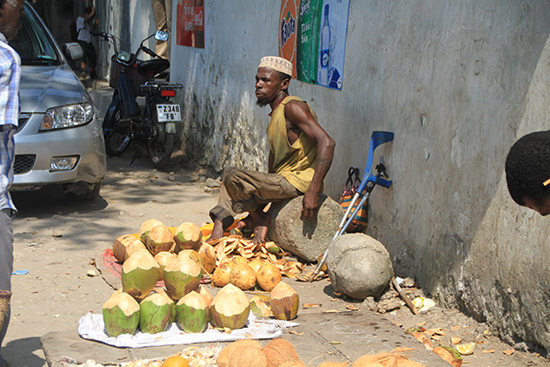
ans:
(227, 353)
(333, 364)
(279, 352)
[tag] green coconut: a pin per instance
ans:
(160, 238)
(260, 306)
(121, 314)
(126, 245)
(188, 236)
(192, 313)
(140, 274)
(230, 308)
(285, 302)
(147, 226)
(182, 276)
(164, 294)
(155, 313)
(164, 258)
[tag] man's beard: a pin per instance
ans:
(262, 102)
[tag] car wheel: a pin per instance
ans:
(82, 191)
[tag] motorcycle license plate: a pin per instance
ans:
(168, 112)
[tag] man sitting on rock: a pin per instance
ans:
(299, 158)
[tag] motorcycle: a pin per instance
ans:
(154, 124)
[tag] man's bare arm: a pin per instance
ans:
(299, 115)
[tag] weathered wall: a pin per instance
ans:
(457, 82)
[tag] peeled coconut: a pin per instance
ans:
(208, 257)
(268, 276)
(155, 313)
(256, 264)
(192, 313)
(260, 306)
(206, 295)
(121, 314)
(164, 258)
(159, 238)
(242, 276)
(284, 302)
(188, 236)
(279, 351)
(140, 274)
(193, 255)
(230, 308)
(220, 277)
(181, 276)
(126, 245)
(235, 348)
(146, 227)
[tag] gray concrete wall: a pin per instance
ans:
(457, 82)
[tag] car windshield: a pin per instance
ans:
(33, 43)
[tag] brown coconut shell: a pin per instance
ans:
(242, 276)
(280, 351)
(227, 352)
(220, 278)
(285, 302)
(246, 356)
(386, 359)
(293, 364)
(268, 277)
(333, 364)
(126, 245)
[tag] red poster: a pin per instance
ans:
(288, 27)
(190, 23)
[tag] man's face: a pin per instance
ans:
(9, 19)
(268, 86)
(541, 207)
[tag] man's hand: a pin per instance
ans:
(310, 205)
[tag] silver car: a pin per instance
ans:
(59, 139)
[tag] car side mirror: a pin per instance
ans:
(72, 51)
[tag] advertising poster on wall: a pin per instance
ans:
(190, 23)
(288, 21)
(320, 41)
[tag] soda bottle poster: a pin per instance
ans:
(288, 21)
(190, 23)
(321, 42)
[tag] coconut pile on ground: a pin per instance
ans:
(179, 258)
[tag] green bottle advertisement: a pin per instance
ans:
(308, 40)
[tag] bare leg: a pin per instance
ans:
(217, 231)
(261, 221)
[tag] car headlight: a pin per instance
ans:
(67, 116)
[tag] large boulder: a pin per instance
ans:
(307, 239)
(359, 266)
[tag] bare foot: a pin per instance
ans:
(260, 221)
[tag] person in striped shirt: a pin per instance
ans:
(10, 74)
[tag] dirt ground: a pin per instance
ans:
(56, 240)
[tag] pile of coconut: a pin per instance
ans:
(180, 258)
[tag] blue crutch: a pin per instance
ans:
(367, 184)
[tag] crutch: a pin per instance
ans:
(368, 182)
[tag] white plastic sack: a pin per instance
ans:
(92, 327)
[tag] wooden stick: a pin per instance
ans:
(547, 182)
(403, 296)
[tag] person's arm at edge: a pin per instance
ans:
(299, 115)
(270, 160)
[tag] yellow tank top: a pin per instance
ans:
(296, 162)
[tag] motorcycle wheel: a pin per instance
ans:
(160, 151)
(117, 140)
